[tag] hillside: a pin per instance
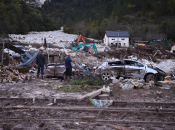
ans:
(18, 17)
(92, 18)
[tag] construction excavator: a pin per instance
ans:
(159, 40)
(78, 45)
(76, 48)
(81, 38)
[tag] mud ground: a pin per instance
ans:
(47, 88)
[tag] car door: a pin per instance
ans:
(133, 69)
(116, 67)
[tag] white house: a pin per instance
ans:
(117, 38)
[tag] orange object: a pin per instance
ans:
(81, 38)
(141, 44)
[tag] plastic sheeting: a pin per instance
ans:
(101, 103)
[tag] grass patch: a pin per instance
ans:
(89, 81)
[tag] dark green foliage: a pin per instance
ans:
(90, 17)
(17, 17)
(93, 17)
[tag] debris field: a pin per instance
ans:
(27, 102)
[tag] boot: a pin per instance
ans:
(65, 78)
(42, 77)
(37, 75)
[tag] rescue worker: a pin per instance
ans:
(40, 61)
(68, 66)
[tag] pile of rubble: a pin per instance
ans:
(129, 84)
(9, 75)
(140, 52)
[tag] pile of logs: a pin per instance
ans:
(9, 75)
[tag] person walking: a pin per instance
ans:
(68, 66)
(40, 61)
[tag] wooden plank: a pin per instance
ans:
(90, 95)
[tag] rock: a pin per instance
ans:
(111, 84)
(113, 78)
(146, 87)
(131, 86)
(135, 83)
(141, 80)
(120, 85)
(140, 85)
(130, 80)
(120, 79)
(152, 82)
(125, 80)
(115, 81)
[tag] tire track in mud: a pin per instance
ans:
(129, 114)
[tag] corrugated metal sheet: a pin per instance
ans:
(117, 34)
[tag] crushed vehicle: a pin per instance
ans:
(58, 70)
(129, 69)
(55, 70)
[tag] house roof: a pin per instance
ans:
(117, 34)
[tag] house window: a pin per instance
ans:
(124, 44)
(113, 39)
(123, 39)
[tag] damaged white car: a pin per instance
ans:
(129, 69)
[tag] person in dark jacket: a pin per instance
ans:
(40, 61)
(68, 65)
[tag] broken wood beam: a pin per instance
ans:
(90, 95)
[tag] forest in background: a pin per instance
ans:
(19, 18)
(90, 17)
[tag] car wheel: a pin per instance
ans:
(106, 76)
(150, 77)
